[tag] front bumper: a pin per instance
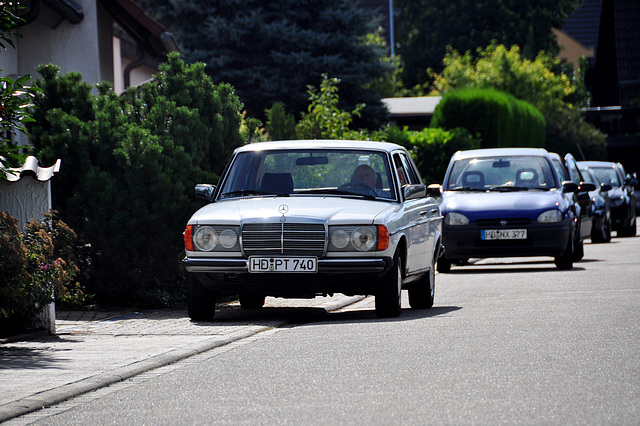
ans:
(464, 242)
(342, 275)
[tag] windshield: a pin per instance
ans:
(358, 173)
(501, 173)
(607, 175)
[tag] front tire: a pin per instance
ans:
(389, 292)
(422, 292)
(565, 261)
(201, 301)
(628, 231)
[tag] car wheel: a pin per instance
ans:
(565, 261)
(578, 251)
(600, 235)
(389, 291)
(444, 265)
(251, 301)
(422, 292)
(628, 231)
(607, 231)
(201, 301)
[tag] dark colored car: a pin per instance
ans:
(506, 202)
(623, 209)
(582, 203)
(601, 230)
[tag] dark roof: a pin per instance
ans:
(584, 23)
(147, 32)
(617, 69)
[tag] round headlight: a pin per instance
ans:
(205, 238)
(550, 216)
(454, 218)
(363, 239)
(340, 239)
(227, 238)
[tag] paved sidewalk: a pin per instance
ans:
(94, 349)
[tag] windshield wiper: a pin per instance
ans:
(337, 192)
(246, 192)
(508, 188)
(469, 188)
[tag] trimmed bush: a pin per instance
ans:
(499, 118)
(129, 166)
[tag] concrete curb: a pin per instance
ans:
(57, 395)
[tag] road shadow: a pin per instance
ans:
(306, 315)
(510, 266)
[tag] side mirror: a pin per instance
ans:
(412, 192)
(569, 186)
(605, 187)
(587, 186)
(434, 190)
(205, 191)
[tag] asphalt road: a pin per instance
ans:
(512, 341)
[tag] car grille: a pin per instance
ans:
(291, 239)
(496, 222)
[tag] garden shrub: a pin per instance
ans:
(130, 163)
(500, 118)
(36, 266)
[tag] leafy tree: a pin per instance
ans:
(271, 51)
(425, 28)
(534, 81)
(280, 125)
(14, 94)
(324, 118)
(132, 162)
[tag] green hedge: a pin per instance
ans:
(498, 117)
(431, 149)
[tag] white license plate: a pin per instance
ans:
(503, 234)
(283, 264)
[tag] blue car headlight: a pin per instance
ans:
(456, 219)
(550, 216)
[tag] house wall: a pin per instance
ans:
(84, 47)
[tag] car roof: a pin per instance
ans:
(319, 144)
(601, 164)
(492, 152)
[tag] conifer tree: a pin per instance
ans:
(272, 51)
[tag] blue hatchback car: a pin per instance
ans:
(506, 202)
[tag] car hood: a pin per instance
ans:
(334, 210)
(485, 205)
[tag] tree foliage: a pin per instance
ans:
(425, 28)
(324, 119)
(271, 51)
(15, 95)
(130, 164)
(534, 81)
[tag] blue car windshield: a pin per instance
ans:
(607, 175)
(501, 173)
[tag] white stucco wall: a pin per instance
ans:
(25, 199)
(73, 47)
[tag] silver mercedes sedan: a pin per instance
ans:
(299, 219)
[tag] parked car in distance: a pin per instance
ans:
(297, 219)
(505, 202)
(623, 212)
(636, 193)
(581, 201)
(601, 230)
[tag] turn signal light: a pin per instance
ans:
(188, 237)
(383, 238)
